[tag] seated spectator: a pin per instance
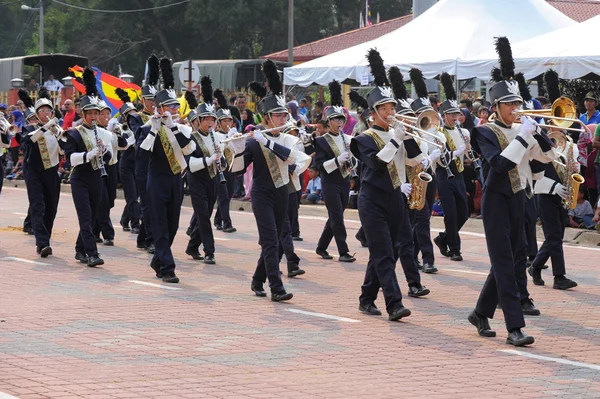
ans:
(583, 214)
(312, 195)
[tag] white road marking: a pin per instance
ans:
(305, 250)
(20, 213)
(7, 396)
(164, 287)
(325, 316)
(222, 239)
(33, 262)
(551, 359)
(443, 269)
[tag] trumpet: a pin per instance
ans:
(55, 128)
(246, 135)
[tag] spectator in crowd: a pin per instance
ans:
(17, 172)
(247, 119)
(32, 86)
(321, 127)
(3, 109)
(465, 119)
(292, 107)
(69, 114)
(483, 113)
(350, 122)
(240, 102)
(312, 195)
(544, 102)
(309, 109)
(52, 84)
(77, 120)
(590, 177)
(20, 106)
(318, 111)
(468, 104)
(583, 214)
(302, 108)
(354, 191)
(592, 115)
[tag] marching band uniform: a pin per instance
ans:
(32, 120)
(332, 159)
(271, 155)
(164, 186)
(87, 147)
(505, 151)
(42, 150)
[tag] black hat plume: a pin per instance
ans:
(190, 97)
(507, 63)
(24, 96)
(206, 88)
(166, 70)
(272, 75)
(448, 85)
(43, 93)
(89, 81)
(416, 76)
(258, 88)
(153, 70)
(358, 99)
(496, 74)
(397, 82)
(523, 87)
(123, 95)
(552, 85)
(335, 90)
(221, 99)
(377, 68)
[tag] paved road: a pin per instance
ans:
(116, 332)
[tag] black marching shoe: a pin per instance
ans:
(369, 309)
(418, 264)
(519, 338)
(363, 242)
(135, 230)
(529, 308)
(188, 232)
(125, 227)
(45, 251)
(229, 229)
(28, 230)
(109, 243)
(218, 227)
(399, 313)
(150, 249)
(295, 272)
(98, 239)
(323, 254)
(141, 245)
(170, 278)
(282, 296)
(563, 283)
(258, 290)
(194, 255)
(417, 291)
(94, 261)
(482, 324)
(536, 274)
(156, 269)
(441, 244)
(209, 259)
(81, 257)
(347, 258)
(297, 238)
(429, 268)
(456, 256)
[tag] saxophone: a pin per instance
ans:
(574, 179)
(418, 179)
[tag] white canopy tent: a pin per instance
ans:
(565, 50)
(435, 41)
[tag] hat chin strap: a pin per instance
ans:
(377, 112)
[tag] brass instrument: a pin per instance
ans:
(246, 135)
(427, 120)
(418, 179)
(574, 179)
(100, 147)
(222, 179)
(56, 129)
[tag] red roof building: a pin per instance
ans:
(579, 10)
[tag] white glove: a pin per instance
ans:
(528, 127)
(169, 121)
(258, 136)
(48, 124)
(399, 132)
(156, 122)
(210, 160)
(461, 150)
(435, 155)
(425, 163)
(232, 131)
(561, 191)
(91, 154)
(343, 157)
(406, 189)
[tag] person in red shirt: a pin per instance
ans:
(69, 114)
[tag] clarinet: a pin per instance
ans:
(100, 147)
(470, 153)
(352, 162)
(222, 179)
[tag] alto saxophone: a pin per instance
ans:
(574, 179)
(418, 179)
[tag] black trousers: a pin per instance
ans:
(165, 194)
(553, 215)
(270, 209)
(1, 171)
(335, 196)
(224, 193)
(293, 209)
(405, 248)
(131, 212)
(286, 244)
(422, 225)
(521, 267)
(531, 215)
(204, 195)
(27, 221)
(379, 214)
(453, 196)
(503, 220)
(145, 237)
(43, 192)
(103, 223)
(87, 196)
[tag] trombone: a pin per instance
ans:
(245, 135)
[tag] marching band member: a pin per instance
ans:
(165, 184)
(333, 159)
(89, 150)
(224, 191)
(31, 121)
(271, 155)
(136, 121)
(381, 204)
(41, 153)
(506, 148)
(130, 219)
(203, 167)
(552, 193)
(451, 185)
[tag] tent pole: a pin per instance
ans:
(457, 88)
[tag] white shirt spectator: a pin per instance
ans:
(53, 85)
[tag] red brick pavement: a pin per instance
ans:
(71, 331)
